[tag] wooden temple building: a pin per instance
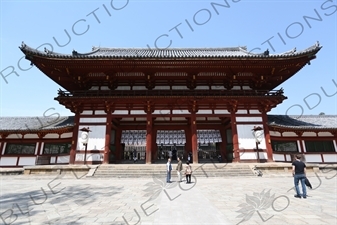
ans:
(211, 103)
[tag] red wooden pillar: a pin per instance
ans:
(148, 138)
(267, 137)
(107, 138)
(118, 144)
(194, 138)
(223, 144)
(188, 145)
(236, 149)
(39, 144)
(154, 145)
(74, 139)
(2, 143)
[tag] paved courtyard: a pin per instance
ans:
(73, 199)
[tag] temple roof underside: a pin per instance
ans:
(185, 68)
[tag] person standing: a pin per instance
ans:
(189, 157)
(179, 169)
(168, 170)
(299, 174)
(134, 155)
(188, 172)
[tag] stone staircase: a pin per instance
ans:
(154, 170)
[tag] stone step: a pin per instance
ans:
(173, 175)
(201, 170)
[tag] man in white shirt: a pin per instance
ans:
(168, 170)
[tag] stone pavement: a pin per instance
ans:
(76, 199)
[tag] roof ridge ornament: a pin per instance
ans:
(266, 53)
(48, 51)
(23, 45)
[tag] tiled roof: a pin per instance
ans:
(303, 122)
(15, 124)
(231, 52)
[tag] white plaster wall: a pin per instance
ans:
(242, 111)
(180, 111)
(79, 157)
(63, 159)
(100, 112)
(278, 157)
(217, 88)
(8, 161)
(288, 157)
(221, 112)
(274, 134)
(139, 88)
(128, 119)
(92, 120)
(164, 88)
(252, 155)
(202, 88)
(53, 159)
(139, 112)
(27, 161)
(121, 88)
(263, 155)
(178, 119)
(249, 119)
(204, 112)
(105, 88)
(162, 112)
(309, 134)
(96, 139)
(254, 111)
(120, 112)
(95, 157)
(325, 134)
(140, 119)
(66, 135)
(246, 137)
(56, 136)
(246, 88)
(289, 134)
(87, 112)
(14, 136)
(27, 136)
(315, 158)
(330, 158)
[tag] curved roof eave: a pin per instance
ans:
(309, 128)
(145, 53)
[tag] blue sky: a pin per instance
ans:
(131, 23)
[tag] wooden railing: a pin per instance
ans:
(162, 93)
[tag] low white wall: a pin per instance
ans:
(27, 161)
(8, 161)
(330, 158)
(63, 159)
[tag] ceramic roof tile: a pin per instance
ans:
(304, 121)
(230, 52)
(35, 123)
